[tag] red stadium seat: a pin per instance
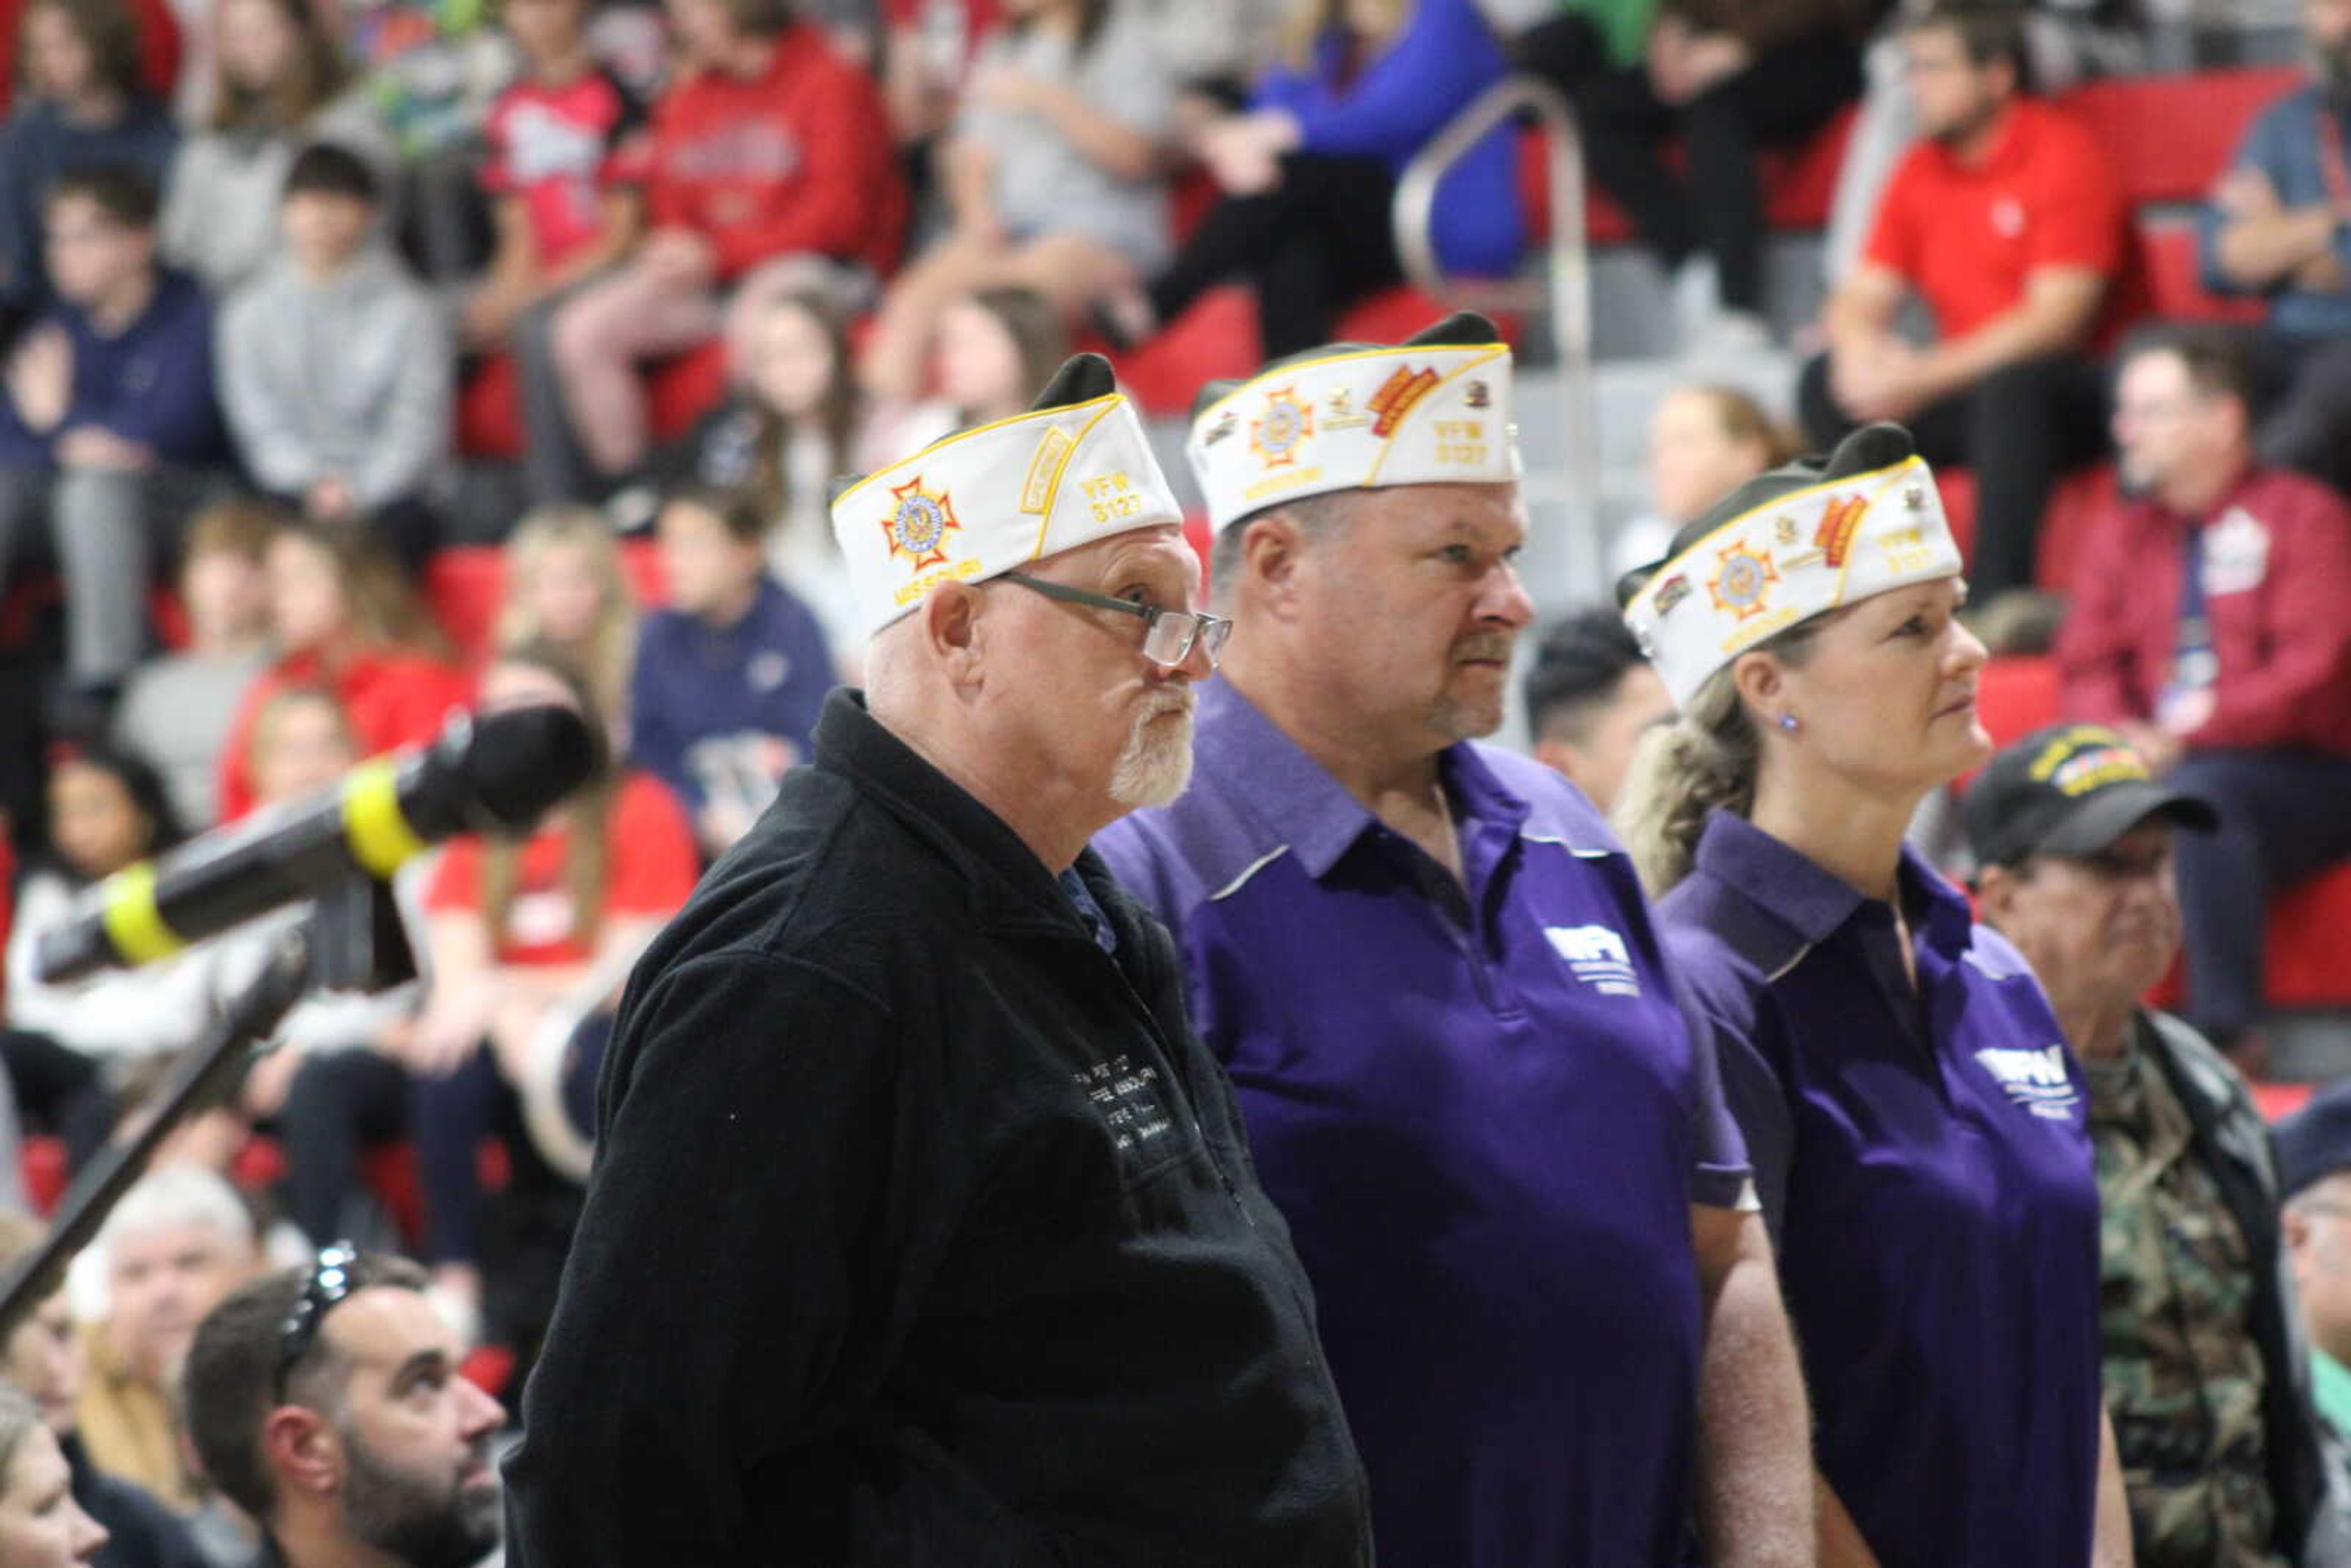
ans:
(489, 403)
(2167, 255)
(1217, 340)
(465, 586)
(2309, 963)
(2174, 135)
(2080, 498)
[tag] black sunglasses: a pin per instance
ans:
(330, 1281)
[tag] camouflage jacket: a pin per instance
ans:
(2207, 1378)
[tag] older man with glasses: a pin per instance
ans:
(1468, 1079)
(326, 1403)
(922, 1229)
(2202, 1346)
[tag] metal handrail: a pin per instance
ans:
(1562, 294)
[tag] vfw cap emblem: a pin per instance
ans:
(918, 524)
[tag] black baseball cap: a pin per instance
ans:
(2070, 790)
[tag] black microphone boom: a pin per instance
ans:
(501, 770)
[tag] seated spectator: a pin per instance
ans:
(566, 585)
(1307, 175)
(282, 85)
(2009, 221)
(567, 163)
(67, 1046)
(1051, 175)
(996, 352)
(1725, 78)
(2206, 626)
(930, 48)
(108, 417)
(730, 675)
(160, 45)
(2314, 1158)
(89, 109)
(1591, 696)
(790, 427)
(518, 931)
(42, 1357)
(329, 1404)
(2066, 41)
(1704, 443)
(2276, 228)
(344, 618)
(770, 156)
(332, 1082)
(177, 709)
(2073, 840)
(178, 1243)
(42, 1524)
(336, 368)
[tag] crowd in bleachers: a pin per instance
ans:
(282, 281)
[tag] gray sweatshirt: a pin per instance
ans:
(351, 377)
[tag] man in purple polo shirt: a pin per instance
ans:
(1464, 1066)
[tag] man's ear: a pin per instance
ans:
(1273, 549)
(951, 615)
(1996, 887)
(302, 1449)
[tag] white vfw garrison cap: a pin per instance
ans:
(1434, 409)
(1074, 469)
(1786, 545)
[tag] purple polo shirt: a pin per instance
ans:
(1485, 1122)
(1923, 1161)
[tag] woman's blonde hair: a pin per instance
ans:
(612, 645)
(1706, 760)
(313, 76)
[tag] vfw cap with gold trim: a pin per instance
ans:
(1434, 409)
(1075, 468)
(1785, 546)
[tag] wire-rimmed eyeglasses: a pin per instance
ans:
(1169, 635)
(330, 1281)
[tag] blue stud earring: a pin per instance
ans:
(1788, 721)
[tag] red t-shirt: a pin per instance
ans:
(390, 699)
(562, 150)
(651, 867)
(1968, 237)
(798, 161)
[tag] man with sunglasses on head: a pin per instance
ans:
(922, 1229)
(1468, 1078)
(326, 1403)
(2203, 1352)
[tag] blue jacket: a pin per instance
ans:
(766, 674)
(38, 145)
(152, 383)
(2283, 145)
(1443, 60)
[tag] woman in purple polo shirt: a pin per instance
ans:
(1916, 1123)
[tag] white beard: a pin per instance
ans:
(1156, 764)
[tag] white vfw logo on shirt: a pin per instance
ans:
(1597, 956)
(2036, 1080)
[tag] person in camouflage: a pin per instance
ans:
(2206, 1376)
